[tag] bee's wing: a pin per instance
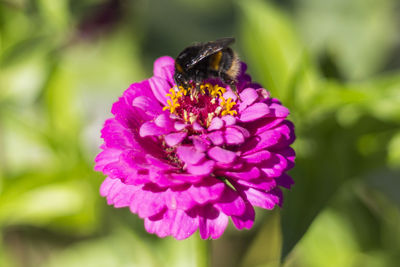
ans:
(209, 48)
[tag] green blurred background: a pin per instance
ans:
(334, 63)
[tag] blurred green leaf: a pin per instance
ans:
(188, 252)
(271, 45)
(352, 231)
(344, 135)
(351, 30)
(55, 13)
(328, 242)
(394, 151)
(378, 97)
(42, 205)
(121, 248)
(61, 105)
(260, 254)
(21, 51)
(25, 144)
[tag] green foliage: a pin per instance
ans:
(327, 61)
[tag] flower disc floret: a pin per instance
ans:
(200, 105)
(188, 159)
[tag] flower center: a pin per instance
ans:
(200, 105)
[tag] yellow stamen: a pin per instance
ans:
(227, 104)
(215, 91)
(174, 96)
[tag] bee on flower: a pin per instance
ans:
(196, 144)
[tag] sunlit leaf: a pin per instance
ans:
(394, 151)
(274, 53)
(351, 31)
(55, 13)
(328, 242)
(120, 248)
(41, 206)
(359, 228)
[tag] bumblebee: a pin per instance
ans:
(214, 59)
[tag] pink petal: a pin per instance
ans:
(233, 136)
(197, 127)
(189, 154)
(174, 139)
(246, 220)
(230, 94)
(279, 195)
(178, 198)
(179, 126)
(202, 169)
(164, 67)
(212, 223)
(261, 199)
(254, 112)
(216, 137)
(136, 90)
(160, 164)
(221, 155)
(257, 157)
(147, 203)
(173, 222)
(118, 193)
(246, 174)
(263, 93)
(107, 184)
(208, 190)
(164, 179)
(105, 157)
(279, 111)
(263, 183)
(187, 196)
(248, 96)
(278, 137)
(160, 89)
(289, 155)
(148, 105)
(117, 136)
(150, 128)
(127, 115)
(216, 124)
(163, 121)
(244, 131)
(185, 178)
(231, 203)
(285, 181)
(229, 120)
(261, 125)
(274, 166)
(200, 143)
(120, 169)
(161, 178)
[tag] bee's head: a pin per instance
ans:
(180, 76)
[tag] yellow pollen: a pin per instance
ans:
(227, 105)
(174, 95)
(215, 91)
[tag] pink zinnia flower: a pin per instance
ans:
(191, 159)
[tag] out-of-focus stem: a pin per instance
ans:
(203, 249)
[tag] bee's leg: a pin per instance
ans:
(197, 82)
(234, 89)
